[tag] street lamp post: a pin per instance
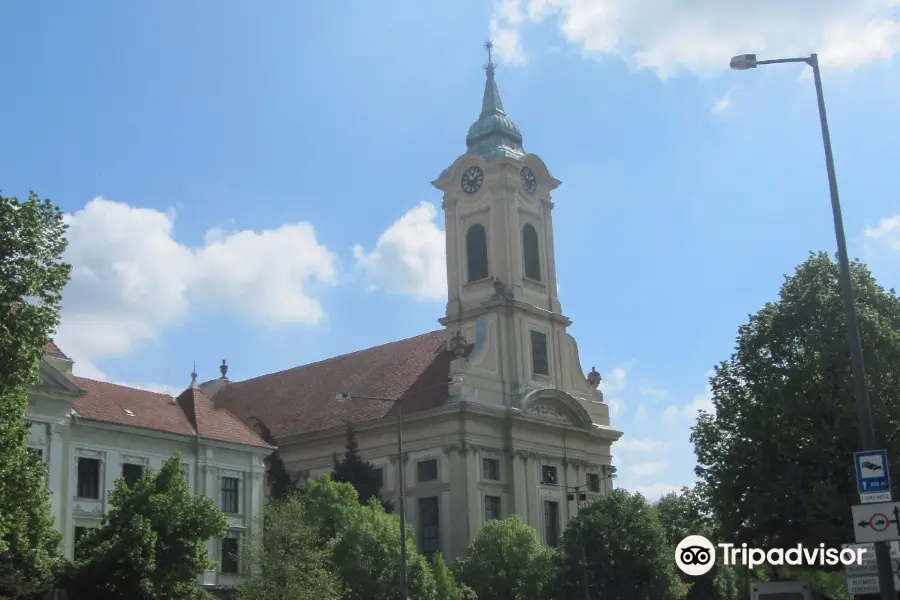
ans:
(580, 494)
(744, 62)
(398, 402)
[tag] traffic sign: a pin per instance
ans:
(876, 522)
(868, 564)
(872, 475)
(867, 584)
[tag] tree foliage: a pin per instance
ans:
(775, 454)
(151, 543)
(682, 514)
(361, 474)
(32, 277)
(290, 566)
(506, 561)
(278, 481)
(626, 552)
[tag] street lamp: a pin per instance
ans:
(398, 402)
(744, 62)
(579, 494)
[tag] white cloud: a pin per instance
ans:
(652, 391)
(130, 278)
(670, 415)
(612, 385)
(654, 491)
(645, 469)
(409, 257)
(639, 446)
(505, 36)
(887, 231)
(615, 407)
(641, 413)
(700, 402)
(701, 35)
(721, 104)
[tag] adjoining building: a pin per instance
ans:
(519, 427)
(92, 433)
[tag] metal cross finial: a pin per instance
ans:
(489, 45)
(194, 374)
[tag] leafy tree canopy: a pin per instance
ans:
(291, 567)
(506, 561)
(681, 514)
(151, 544)
(775, 455)
(32, 277)
(361, 474)
(626, 552)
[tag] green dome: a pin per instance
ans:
(494, 133)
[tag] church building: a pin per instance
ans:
(498, 416)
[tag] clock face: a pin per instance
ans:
(528, 180)
(472, 180)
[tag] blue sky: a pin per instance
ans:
(254, 183)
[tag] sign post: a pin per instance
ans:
(873, 480)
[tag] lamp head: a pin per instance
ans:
(743, 62)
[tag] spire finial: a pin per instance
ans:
(194, 375)
(223, 369)
(488, 46)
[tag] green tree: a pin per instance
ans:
(291, 567)
(362, 543)
(627, 555)
(367, 557)
(682, 514)
(32, 277)
(506, 561)
(444, 583)
(151, 543)
(278, 481)
(775, 454)
(361, 474)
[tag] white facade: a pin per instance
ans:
(86, 457)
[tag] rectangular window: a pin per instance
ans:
(131, 473)
(593, 482)
(429, 526)
(379, 477)
(491, 469)
(185, 472)
(548, 475)
(551, 523)
(540, 363)
(230, 549)
(427, 470)
(229, 501)
(492, 508)
(88, 478)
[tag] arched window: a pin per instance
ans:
(476, 252)
(531, 253)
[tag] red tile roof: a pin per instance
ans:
(113, 403)
(212, 422)
(53, 350)
(303, 399)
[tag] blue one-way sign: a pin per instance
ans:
(872, 471)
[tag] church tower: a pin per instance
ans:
(504, 321)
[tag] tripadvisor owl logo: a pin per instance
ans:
(695, 555)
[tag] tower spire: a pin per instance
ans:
(494, 133)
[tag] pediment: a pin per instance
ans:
(557, 407)
(55, 383)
